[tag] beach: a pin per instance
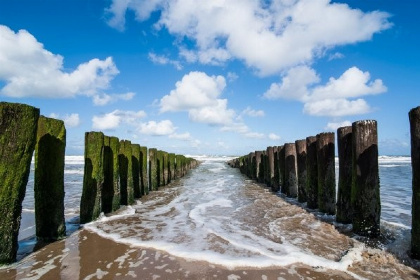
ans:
(216, 224)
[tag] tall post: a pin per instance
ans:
(93, 178)
(414, 117)
(166, 168)
(144, 178)
(49, 179)
(275, 187)
(18, 126)
(258, 155)
(365, 194)
(135, 164)
(344, 142)
(114, 145)
(270, 167)
(126, 173)
(301, 169)
(282, 168)
(290, 183)
(326, 172)
(311, 173)
(153, 175)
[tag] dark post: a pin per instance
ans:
(114, 144)
(49, 179)
(301, 168)
(258, 155)
(135, 164)
(18, 126)
(126, 173)
(365, 194)
(153, 175)
(414, 116)
(311, 173)
(93, 179)
(171, 171)
(326, 172)
(144, 178)
(282, 168)
(165, 168)
(290, 183)
(275, 187)
(344, 209)
(270, 167)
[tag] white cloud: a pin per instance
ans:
(104, 99)
(253, 113)
(336, 55)
(335, 125)
(232, 76)
(268, 36)
(338, 97)
(163, 60)
(213, 115)
(29, 70)
(72, 120)
(161, 128)
(182, 136)
(255, 135)
(273, 136)
(114, 119)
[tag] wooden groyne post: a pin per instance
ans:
(49, 179)
(126, 173)
(414, 117)
(276, 176)
(326, 172)
(144, 178)
(365, 196)
(153, 175)
(270, 168)
(135, 164)
(111, 188)
(344, 142)
(93, 179)
(290, 183)
(258, 155)
(301, 169)
(311, 172)
(282, 173)
(18, 126)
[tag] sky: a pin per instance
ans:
(220, 77)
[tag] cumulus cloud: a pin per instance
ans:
(273, 137)
(253, 113)
(181, 136)
(114, 119)
(338, 97)
(335, 125)
(278, 34)
(70, 120)
(104, 99)
(164, 60)
(29, 70)
(161, 128)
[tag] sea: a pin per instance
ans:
(216, 213)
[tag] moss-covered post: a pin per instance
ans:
(258, 155)
(270, 167)
(49, 179)
(144, 178)
(153, 175)
(290, 170)
(282, 168)
(165, 156)
(18, 126)
(126, 173)
(326, 172)
(108, 186)
(114, 144)
(311, 173)
(344, 209)
(135, 164)
(275, 187)
(301, 168)
(414, 117)
(365, 196)
(171, 159)
(93, 178)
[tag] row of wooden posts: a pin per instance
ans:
(306, 170)
(115, 173)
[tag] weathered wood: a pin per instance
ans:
(153, 174)
(270, 168)
(290, 183)
(326, 172)
(126, 173)
(414, 117)
(301, 168)
(258, 165)
(93, 178)
(18, 126)
(282, 172)
(365, 194)
(144, 178)
(275, 185)
(111, 188)
(344, 142)
(311, 173)
(49, 179)
(135, 165)
(171, 167)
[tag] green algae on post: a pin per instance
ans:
(311, 173)
(111, 188)
(171, 166)
(135, 165)
(301, 168)
(18, 126)
(144, 178)
(153, 174)
(49, 179)
(93, 178)
(126, 177)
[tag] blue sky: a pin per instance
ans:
(214, 77)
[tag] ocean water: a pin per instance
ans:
(216, 214)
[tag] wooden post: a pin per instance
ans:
(126, 173)
(344, 141)
(135, 165)
(49, 179)
(311, 173)
(276, 176)
(290, 183)
(326, 172)
(258, 155)
(301, 169)
(365, 194)
(144, 178)
(153, 175)
(282, 169)
(18, 126)
(93, 179)
(250, 167)
(270, 167)
(171, 171)
(414, 117)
